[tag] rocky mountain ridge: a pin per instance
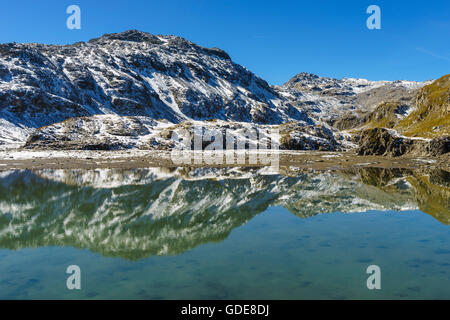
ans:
(122, 90)
(131, 74)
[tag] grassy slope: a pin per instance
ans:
(383, 116)
(432, 116)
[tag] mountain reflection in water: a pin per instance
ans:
(138, 213)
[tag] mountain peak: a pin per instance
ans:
(168, 40)
(129, 35)
(303, 76)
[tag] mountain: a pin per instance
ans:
(138, 213)
(431, 117)
(424, 128)
(133, 89)
(344, 103)
(130, 74)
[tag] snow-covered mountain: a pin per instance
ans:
(346, 87)
(139, 83)
(130, 74)
(330, 99)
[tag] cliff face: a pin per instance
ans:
(385, 142)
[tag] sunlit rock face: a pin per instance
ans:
(138, 213)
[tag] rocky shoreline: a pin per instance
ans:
(314, 160)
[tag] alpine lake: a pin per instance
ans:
(224, 233)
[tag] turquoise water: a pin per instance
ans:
(271, 254)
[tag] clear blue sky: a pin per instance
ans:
(274, 39)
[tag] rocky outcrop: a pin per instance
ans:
(321, 138)
(385, 142)
(102, 132)
(439, 146)
(386, 115)
(382, 142)
(109, 132)
(350, 120)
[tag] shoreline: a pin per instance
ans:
(131, 159)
